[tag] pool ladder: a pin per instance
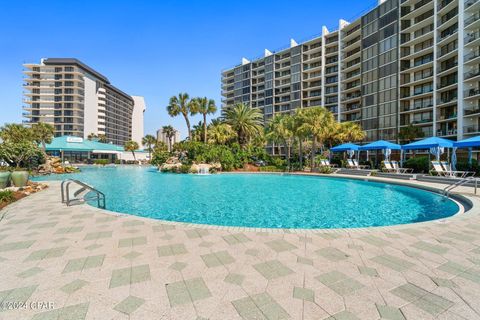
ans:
(450, 187)
(80, 195)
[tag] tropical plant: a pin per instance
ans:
(318, 123)
(149, 141)
(18, 154)
(244, 120)
(349, 132)
(281, 130)
(92, 136)
(220, 132)
(102, 138)
(184, 106)
(410, 133)
(198, 132)
(169, 132)
(13, 132)
(131, 146)
(204, 106)
(42, 134)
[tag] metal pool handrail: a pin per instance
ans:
(65, 192)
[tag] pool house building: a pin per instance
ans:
(79, 150)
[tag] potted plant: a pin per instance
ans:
(4, 177)
(20, 177)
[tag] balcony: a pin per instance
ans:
(472, 36)
(471, 110)
(472, 92)
(472, 55)
(471, 129)
(471, 74)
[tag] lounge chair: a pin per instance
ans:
(438, 169)
(355, 162)
(398, 169)
(447, 167)
(351, 165)
(327, 163)
(388, 167)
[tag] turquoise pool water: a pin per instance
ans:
(264, 201)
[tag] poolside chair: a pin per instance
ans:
(447, 167)
(327, 163)
(438, 169)
(351, 165)
(398, 169)
(387, 167)
(360, 166)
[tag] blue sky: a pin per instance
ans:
(155, 48)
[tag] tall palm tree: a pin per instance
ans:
(184, 106)
(42, 134)
(280, 130)
(169, 132)
(131, 146)
(319, 123)
(204, 106)
(244, 120)
(149, 141)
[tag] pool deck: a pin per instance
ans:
(87, 263)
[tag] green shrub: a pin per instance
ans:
(6, 196)
(159, 157)
(102, 162)
(185, 168)
(271, 169)
(118, 161)
(325, 170)
(418, 164)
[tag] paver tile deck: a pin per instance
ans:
(94, 264)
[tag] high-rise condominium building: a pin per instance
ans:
(404, 62)
(79, 101)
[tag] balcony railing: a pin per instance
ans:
(472, 36)
(472, 74)
(472, 92)
(471, 110)
(471, 19)
(471, 129)
(472, 55)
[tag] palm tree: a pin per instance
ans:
(349, 132)
(102, 138)
(92, 136)
(169, 131)
(220, 132)
(131, 146)
(244, 120)
(205, 106)
(318, 123)
(410, 133)
(15, 133)
(184, 106)
(149, 141)
(280, 130)
(197, 131)
(42, 134)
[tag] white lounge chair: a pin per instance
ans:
(398, 169)
(438, 169)
(327, 163)
(351, 165)
(360, 166)
(447, 167)
(388, 167)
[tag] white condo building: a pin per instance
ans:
(79, 101)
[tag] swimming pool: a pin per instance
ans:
(261, 200)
